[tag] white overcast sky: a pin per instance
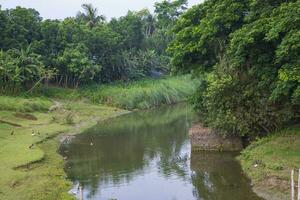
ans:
(59, 9)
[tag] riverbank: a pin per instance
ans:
(268, 162)
(142, 94)
(30, 128)
(30, 165)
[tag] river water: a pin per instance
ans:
(146, 155)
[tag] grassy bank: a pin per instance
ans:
(30, 166)
(134, 95)
(21, 104)
(268, 162)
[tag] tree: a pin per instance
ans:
(21, 28)
(75, 67)
(130, 28)
(87, 41)
(104, 47)
(9, 73)
(21, 69)
(90, 15)
(3, 25)
(140, 64)
(168, 11)
(203, 33)
(51, 43)
(248, 57)
(148, 21)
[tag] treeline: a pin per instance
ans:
(84, 49)
(248, 53)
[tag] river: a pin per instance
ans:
(146, 155)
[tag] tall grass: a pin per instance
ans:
(24, 104)
(142, 94)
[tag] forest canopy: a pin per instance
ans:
(248, 55)
(84, 49)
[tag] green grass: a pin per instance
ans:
(134, 95)
(59, 93)
(269, 161)
(37, 172)
(143, 94)
(44, 180)
(23, 104)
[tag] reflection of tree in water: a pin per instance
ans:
(217, 176)
(123, 148)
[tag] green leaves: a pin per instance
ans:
(76, 67)
(250, 50)
(202, 33)
(90, 17)
(85, 48)
(20, 27)
(168, 11)
(20, 69)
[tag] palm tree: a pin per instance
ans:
(91, 16)
(148, 21)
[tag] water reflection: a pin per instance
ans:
(219, 176)
(146, 155)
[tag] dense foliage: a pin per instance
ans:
(84, 49)
(248, 53)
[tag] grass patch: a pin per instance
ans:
(30, 166)
(44, 180)
(269, 161)
(23, 104)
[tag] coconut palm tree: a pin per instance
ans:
(90, 15)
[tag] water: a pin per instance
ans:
(147, 156)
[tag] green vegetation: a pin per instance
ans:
(84, 49)
(141, 94)
(22, 104)
(30, 165)
(268, 162)
(247, 53)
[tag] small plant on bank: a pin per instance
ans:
(70, 119)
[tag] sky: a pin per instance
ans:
(60, 9)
